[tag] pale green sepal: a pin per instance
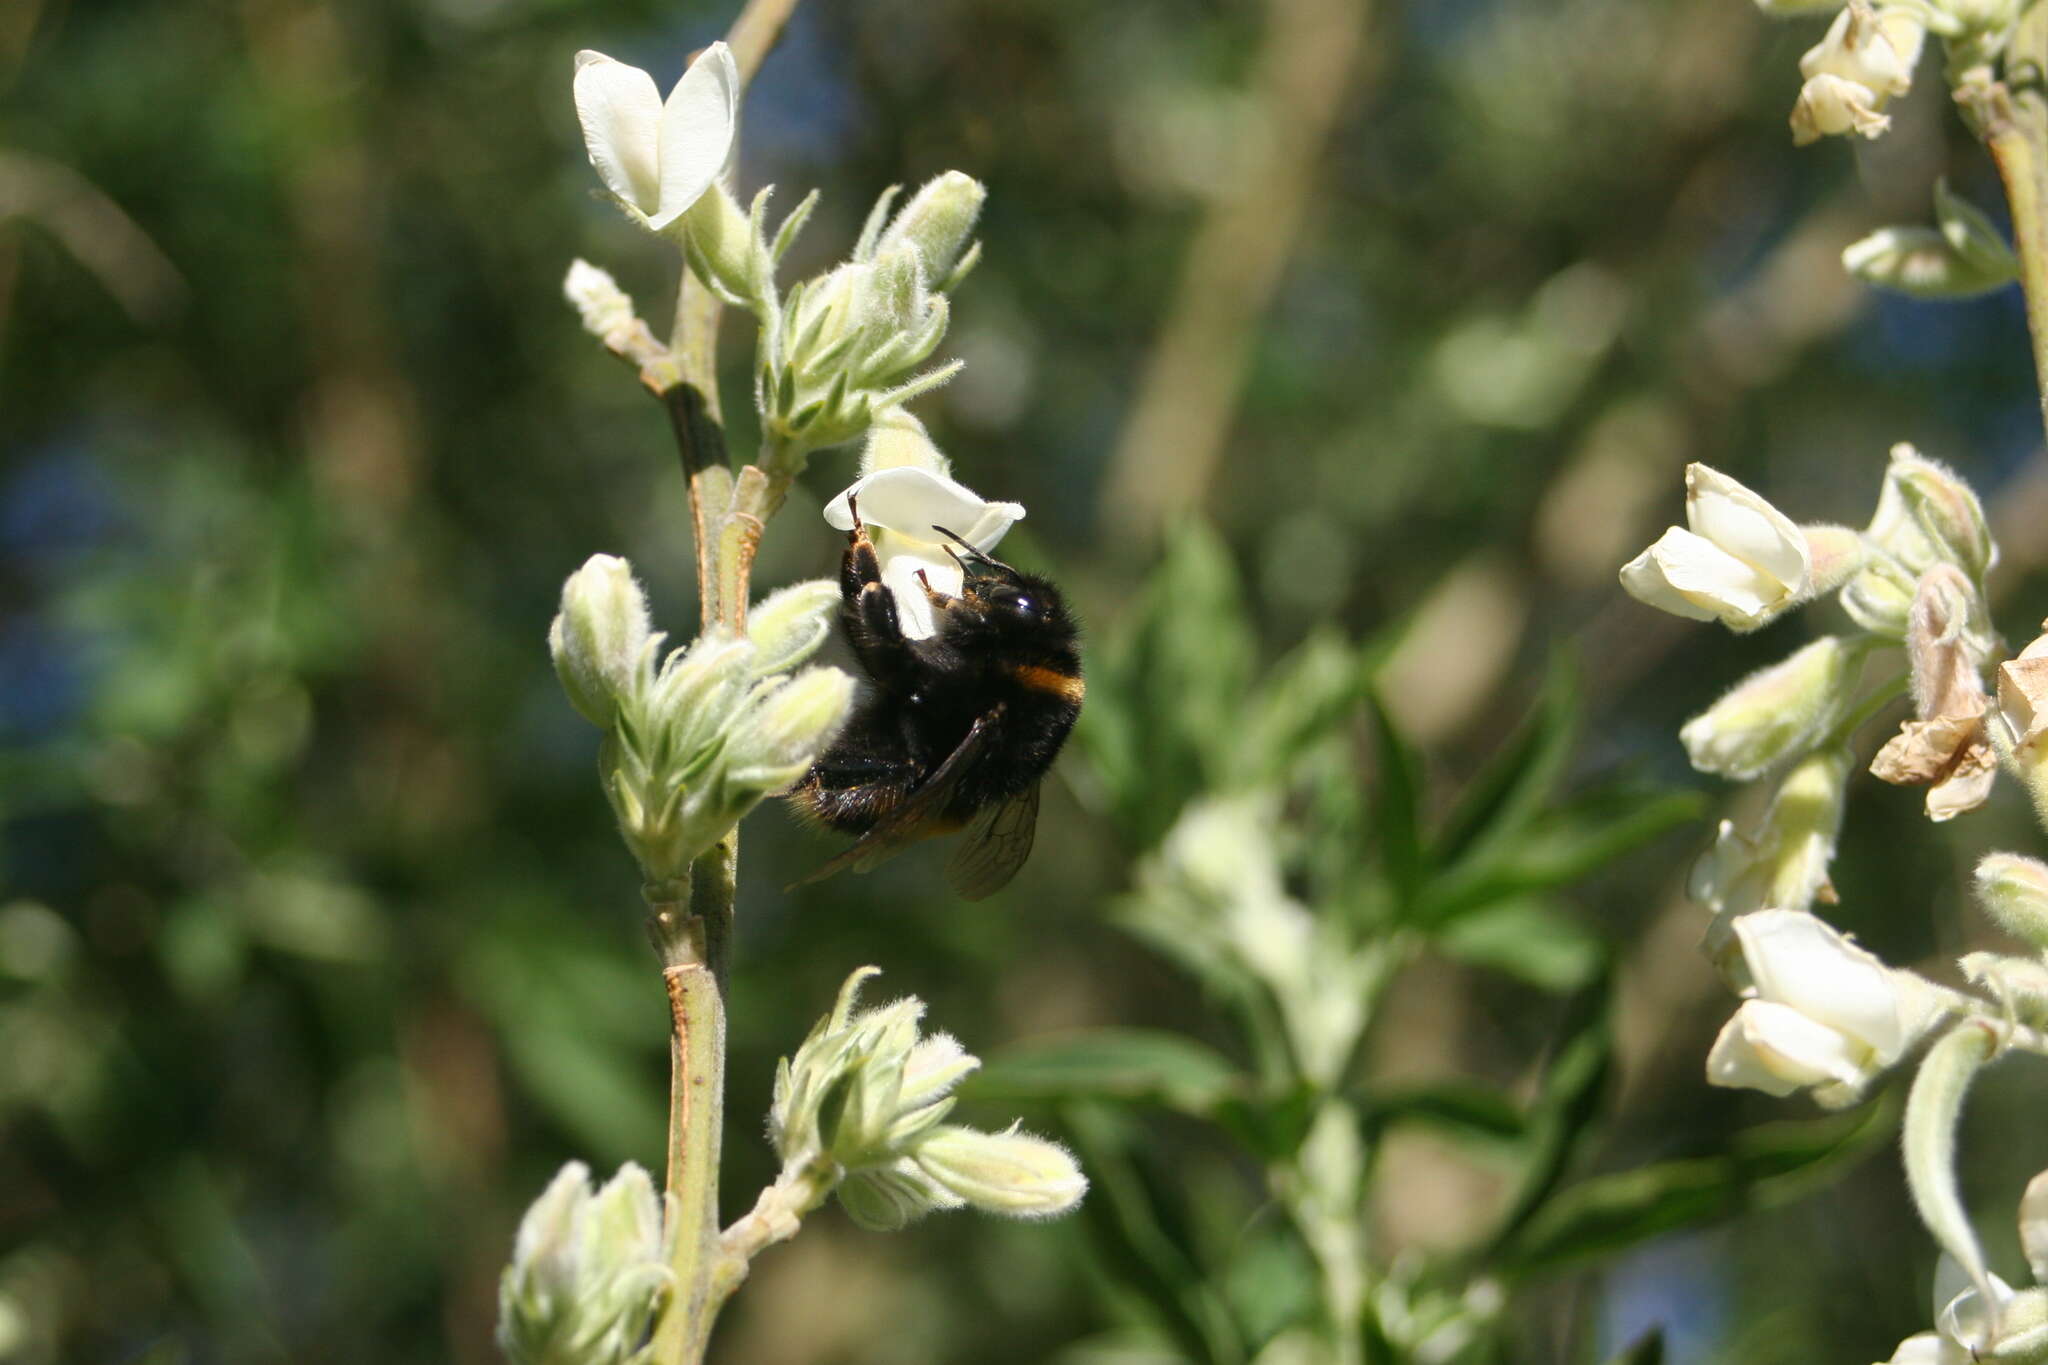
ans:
(1929, 1142)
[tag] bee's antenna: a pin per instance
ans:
(962, 542)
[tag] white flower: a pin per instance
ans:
(1964, 1332)
(657, 159)
(1738, 560)
(1782, 862)
(903, 507)
(1877, 49)
(1866, 58)
(1822, 1012)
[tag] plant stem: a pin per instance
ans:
(694, 947)
(2009, 116)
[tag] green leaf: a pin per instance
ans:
(1129, 1216)
(1560, 848)
(1574, 1084)
(1765, 1166)
(1271, 1127)
(1134, 1066)
(1457, 1109)
(1175, 680)
(1308, 695)
(1397, 803)
(1527, 938)
(1514, 786)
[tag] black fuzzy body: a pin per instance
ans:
(1001, 675)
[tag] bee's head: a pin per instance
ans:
(1009, 602)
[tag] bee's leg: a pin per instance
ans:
(851, 793)
(867, 612)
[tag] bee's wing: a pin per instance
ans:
(906, 824)
(997, 843)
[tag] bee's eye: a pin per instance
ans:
(1024, 606)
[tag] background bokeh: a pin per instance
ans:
(317, 952)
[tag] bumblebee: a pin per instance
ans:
(954, 731)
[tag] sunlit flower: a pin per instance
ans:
(1782, 861)
(1965, 1332)
(657, 158)
(1821, 1012)
(1866, 58)
(1738, 559)
(904, 498)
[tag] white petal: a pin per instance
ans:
(697, 130)
(1735, 591)
(1928, 1348)
(1776, 1049)
(1745, 525)
(912, 502)
(1799, 961)
(1643, 579)
(913, 608)
(620, 111)
(1961, 1317)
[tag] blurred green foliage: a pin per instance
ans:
(317, 950)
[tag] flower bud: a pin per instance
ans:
(897, 440)
(588, 1272)
(1927, 516)
(1829, 106)
(938, 221)
(887, 1199)
(895, 301)
(1922, 263)
(2014, 891)
(775, 743)
(2034, 1226)
(787, 626)
(600, 636)
(597, 298)
(1875, 49)
(1010, 1173)
(863, 1087)
(1773, 713)
(1783, 863)
(1946, 511)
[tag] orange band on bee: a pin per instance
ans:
(1038, 679)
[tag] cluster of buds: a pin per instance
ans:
(1913, 577)
(694, 739)
(589, 1272)
(862, 1102)
(847, 345)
